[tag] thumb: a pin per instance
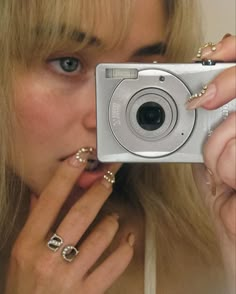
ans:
(222, 207)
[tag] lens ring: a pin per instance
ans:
(150, 131)
(150, 116)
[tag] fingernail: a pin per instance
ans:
(81, 156)
(206, 95)
(207, 50)
(131, 239)
(226, 36)
(108, 179)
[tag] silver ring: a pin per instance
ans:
(69, 253)
(55, 243)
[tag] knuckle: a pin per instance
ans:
(17, 255)
(230, 149)
(21, 255)
(41, 268)
(82, 211)
(227, 161)
(229, 153)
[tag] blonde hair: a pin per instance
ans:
(30, 32)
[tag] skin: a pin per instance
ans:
(54, 122)
(220, 157)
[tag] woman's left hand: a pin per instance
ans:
(216, 179)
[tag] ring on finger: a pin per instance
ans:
(69, 253)
(55, 242)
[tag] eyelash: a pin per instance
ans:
(57, 65)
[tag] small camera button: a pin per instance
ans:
(208, 62)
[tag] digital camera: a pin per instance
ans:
(141, 112)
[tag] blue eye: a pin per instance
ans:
(66, 65)
(69, 64)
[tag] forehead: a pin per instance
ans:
(146, 23)
(78, 23)
(149, 16)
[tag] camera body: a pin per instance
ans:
(141, 112)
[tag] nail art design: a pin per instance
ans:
(195, 96)
(109, 177)
(207, 93)
(82, 153)
(211, 45)
(193, 100)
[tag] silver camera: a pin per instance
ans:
(141, 112)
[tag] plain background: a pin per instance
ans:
(218, 18)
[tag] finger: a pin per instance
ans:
(52, 199)
(33, 201)
(217, 142)
(228, 215)
(84, 211)
(219, 92)
(110, 270)
(226, 164)
(225, 50)
(225, 89)
(95, 244)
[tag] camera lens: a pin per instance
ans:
(150, 116)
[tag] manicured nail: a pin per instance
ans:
(226, 36)
(81, 156)
(108, 179)
(131, 239)
(207, 50)
(199, 99)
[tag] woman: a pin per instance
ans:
(62, 228)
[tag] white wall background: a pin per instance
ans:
(219, 18)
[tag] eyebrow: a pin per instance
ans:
(75, 35)
(82, 36)
(158, 48)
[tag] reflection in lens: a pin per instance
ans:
(150, 116)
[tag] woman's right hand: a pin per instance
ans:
(34, 268)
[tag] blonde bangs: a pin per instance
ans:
(39, 28)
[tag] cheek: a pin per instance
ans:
(35, 115)
(41, 112)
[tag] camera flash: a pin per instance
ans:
(121, 73)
